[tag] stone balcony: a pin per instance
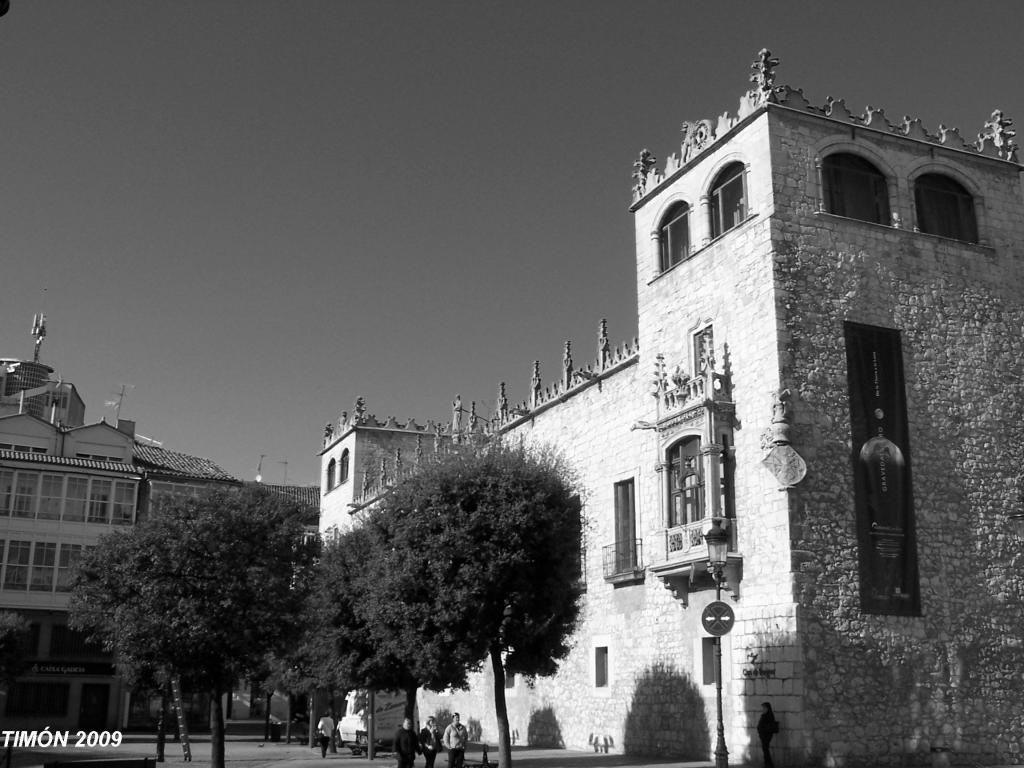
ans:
(679, 557)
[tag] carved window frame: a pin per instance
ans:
(343, 472)
(332, 467)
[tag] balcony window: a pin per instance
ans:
(854, 188)
(622, 560)
(686, 483)
(945, 208)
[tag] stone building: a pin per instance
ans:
(828, 362)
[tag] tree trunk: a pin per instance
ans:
(500, 710)
(410, 703)
(288, 720)
(311, 709)
(266, 720)
(216, 730)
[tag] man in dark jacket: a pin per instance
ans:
(407, 746)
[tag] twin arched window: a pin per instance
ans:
(855, 188)
(727, 206)
(337, 472)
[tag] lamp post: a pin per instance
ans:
(718, 547)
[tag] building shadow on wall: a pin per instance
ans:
(666, 716)
(544, 729)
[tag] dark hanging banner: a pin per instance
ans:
(881, 471)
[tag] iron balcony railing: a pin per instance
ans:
(623, 558)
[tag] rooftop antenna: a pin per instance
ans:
(116, 404)
(259, 468)
(38, 333)
(285, 471)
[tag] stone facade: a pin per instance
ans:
(741, 343)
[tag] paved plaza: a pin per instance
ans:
(249, 752)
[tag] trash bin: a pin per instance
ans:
(275, 731)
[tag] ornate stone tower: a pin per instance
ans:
(847, 295)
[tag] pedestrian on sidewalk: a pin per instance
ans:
(324, 729)
(430, 742)
(767, 726)
(407, 746)
(455, 738)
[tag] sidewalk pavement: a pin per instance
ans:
(252, 752)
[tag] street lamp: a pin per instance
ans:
(718, 547)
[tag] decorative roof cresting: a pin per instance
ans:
(995, 139)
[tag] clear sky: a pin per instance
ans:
(254, 211)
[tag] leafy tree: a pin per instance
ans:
(479, 560)
(352, 646)
(14, 646)
(204, 588)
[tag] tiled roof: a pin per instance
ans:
(304, 494)
(160, 461)
(68, 461)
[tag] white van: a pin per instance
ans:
(388, 713)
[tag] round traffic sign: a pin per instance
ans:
(717, 618)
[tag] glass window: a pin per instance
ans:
(99, 501)
(674, 236)
(854, 188)
(77, 495)
(51, 494)
(16, 569)
(728, 200)
(343, 475)
(6, 490)
(25, 488)
(124, 503)
(70, 554)
(625, 527)
(601, 667)
(945, 208)
(38, 700)
(686, 483)
(331, 468)
(44, 560)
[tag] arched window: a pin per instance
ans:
(685, 483)
(728, 200)
(853, 187)
(344, 467)
(331, 468)
(674, 236)
(945, 208)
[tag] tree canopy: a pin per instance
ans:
(473, 557)
(204, 588)
(15, 637)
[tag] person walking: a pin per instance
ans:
(430, 742)
(406, 744)
(767, 726)
(324, 729)
(455, 738)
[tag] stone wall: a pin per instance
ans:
(884, 689)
